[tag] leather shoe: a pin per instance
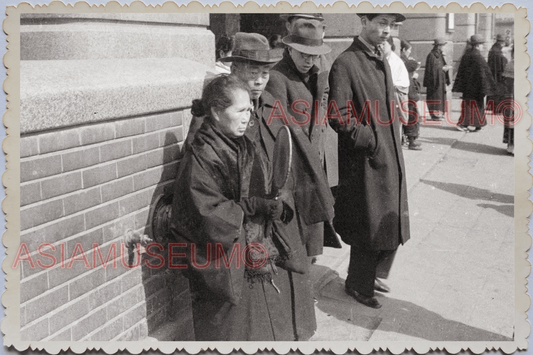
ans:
(371, 302)
(381, 286)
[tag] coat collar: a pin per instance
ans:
(267, 102)
(365, 47)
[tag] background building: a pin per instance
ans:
(105, 102)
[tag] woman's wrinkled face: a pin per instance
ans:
(233, 120)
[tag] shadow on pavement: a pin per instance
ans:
(481, 148)
(438, 140)
(507, 210)
(397, 316)
(472, 192)
(443, 125)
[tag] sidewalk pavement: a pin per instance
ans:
(454, 280)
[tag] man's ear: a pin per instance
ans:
(214, 114)
(288, 26)
(364, 21)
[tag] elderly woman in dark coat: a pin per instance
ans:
(235, 296)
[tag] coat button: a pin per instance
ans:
(251, 123)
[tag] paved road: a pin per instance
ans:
(454, 280)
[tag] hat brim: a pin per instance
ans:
(261, 57)
(399, 17)
(312, 50)
(286, 17)
(262, 61)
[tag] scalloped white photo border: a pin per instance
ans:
(11, 145)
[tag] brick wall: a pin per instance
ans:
(89, 184)
(103, 113)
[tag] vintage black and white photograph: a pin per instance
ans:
(311, 177)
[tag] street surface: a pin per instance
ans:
(454, 280)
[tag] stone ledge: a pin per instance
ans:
(56, 94)
(94, 40)
(201, 19)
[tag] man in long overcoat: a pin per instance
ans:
(302, 88)
(371, 211)
(474, 79)
(497, 63)
(436, 78)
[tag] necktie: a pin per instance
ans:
(379, 52)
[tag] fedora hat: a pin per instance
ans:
(399, 17)
(477, 39)
(439, 41)
(306, 37)
(317, 16)
(253, 47)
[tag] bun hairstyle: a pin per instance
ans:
(218, 94)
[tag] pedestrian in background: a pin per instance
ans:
(497, 63)
(224, 48)
(436, 78)
(275, 42)
(401, 81)
(371, 210)
(508, 81)
(412, 128)
(302, 90)
(474, 80)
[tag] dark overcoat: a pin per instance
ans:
(214, 175)
(474, 78)
(371, 207)
(307, 103)
(436, 79)
(497, 62)
(313, 201)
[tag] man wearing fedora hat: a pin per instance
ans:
(371, 211)
(474, 79)
(497, 63)
(291, 22)
(301, 89)
(436, 78)
(283, 311)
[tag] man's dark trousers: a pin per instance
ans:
(364, 264)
